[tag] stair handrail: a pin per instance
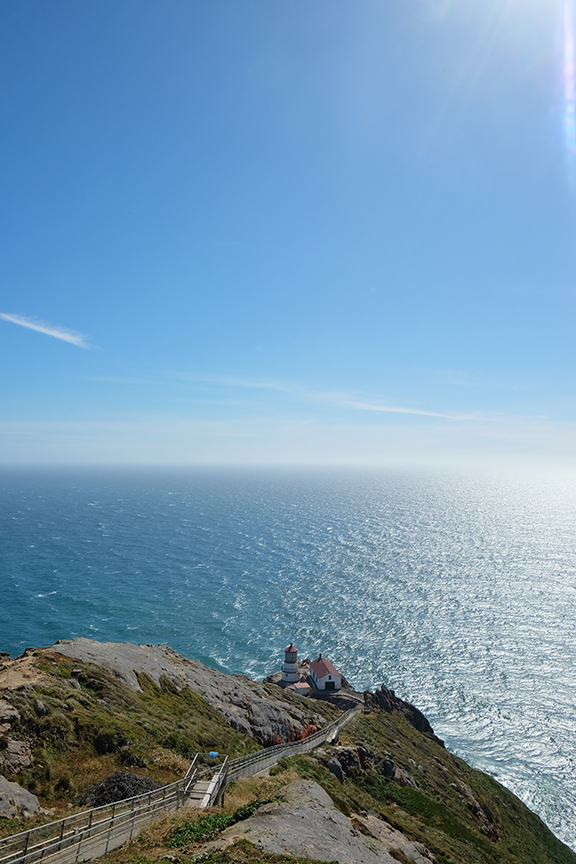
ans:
(72, 830)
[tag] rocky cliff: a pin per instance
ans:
(248, 706)
(79, 711)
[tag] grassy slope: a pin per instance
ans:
(434, 814)
(80, 741)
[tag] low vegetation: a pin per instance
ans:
(241, 852)
(83, 732)
(435, 813)
(207, 826)
(80, 736)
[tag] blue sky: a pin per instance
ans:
(256, 227)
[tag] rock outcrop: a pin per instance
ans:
(14, 755)
(306, 823)
(354, 760)
(395, 842)
(16, 802)
(387, 700)
(245, 704)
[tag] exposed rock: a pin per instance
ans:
(348, 758)
(335, 768)
(22, 673)
(485, 817)
(307, 824)
(7, 712)
(361, 758)
(39, 708)
(388, 767)
(387, 700)
(118, 786)
(16, 802)
(15, 756)
(393, 840)
(246, 705)
(403, 778)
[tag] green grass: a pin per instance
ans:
(210, 825)
(88, 734)
(435, 813)
(80, 740)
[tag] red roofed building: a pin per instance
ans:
(324, 675)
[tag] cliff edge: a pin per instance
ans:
(79, 711)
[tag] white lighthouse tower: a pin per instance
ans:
(290, 673)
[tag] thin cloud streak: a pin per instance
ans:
(333, 397)
(70, 336)
(330, 398)
(389, 409)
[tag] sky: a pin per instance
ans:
(305, 232)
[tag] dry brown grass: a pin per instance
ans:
(248, 789)
(151, 843)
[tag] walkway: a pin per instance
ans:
(93, 833)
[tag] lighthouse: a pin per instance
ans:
(290, 673)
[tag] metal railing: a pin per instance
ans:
(217, 785)
(253, 763)
(105, 823)
(93, 833)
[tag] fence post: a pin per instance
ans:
(62, 833)
(132, 817)
(110, 828)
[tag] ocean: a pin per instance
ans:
(458, 592)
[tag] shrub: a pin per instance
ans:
(207, 827)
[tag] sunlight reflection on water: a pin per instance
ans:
(459, 593)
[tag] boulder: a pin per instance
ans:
(307, 824)
(16, 802)
(39, 708)
(15, 756)
(335, 768)
(7, 712)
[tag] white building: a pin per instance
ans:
(324, 675)
(290, 671)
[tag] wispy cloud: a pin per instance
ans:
(214, 388)
(391, 409)
(335, 398)
(71, 336)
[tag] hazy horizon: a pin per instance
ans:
(288, 233)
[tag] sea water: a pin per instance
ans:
(458, 592)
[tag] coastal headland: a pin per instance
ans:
(79, 711)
